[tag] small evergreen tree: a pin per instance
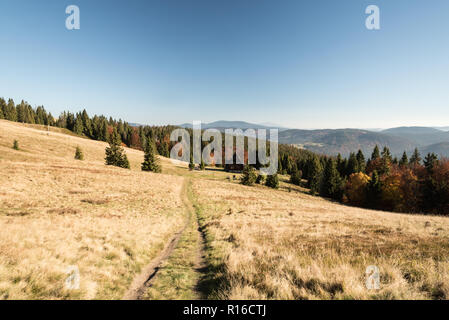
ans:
(79, 154)
(150, 161)
(15, 145)
(374, 191)
(272, 181)
(404, 160)
(296, 177)
(361, 161)
(249, 175)
(376, 153)
(115, 154)
(315, 172)
(332, 186)
(415, 159)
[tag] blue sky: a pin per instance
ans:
(303, 64)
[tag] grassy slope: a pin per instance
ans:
(266, 244)
(56, 212)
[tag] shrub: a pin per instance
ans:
(272, 181)
(249, 175)
(79, 154)
(296, 177)
(15, 145)
(260, 179)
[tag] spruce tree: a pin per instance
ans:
(376, 153)
(315, 173)
(374, 191)
(79, 154)
(15, 145)
(115, 154)
(361, 161)
(296, 177)
(249, 175)
(331, 186)
(404, 160)
(150, 162)
(272, 181)
(386, 161)
(353, 165)
(415, 159)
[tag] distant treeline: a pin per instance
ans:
(101, 128)
(97, 128)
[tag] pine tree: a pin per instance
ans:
(374, 191)
(249, 176)
(376, 153)
(296, 177)
(385, 161)
(331, 186)
(115, 154)
(151, 162)
(404, 160)
(361, 161)
(353, 165)
(315, 173)
(272, 181)
(15, 145)
(79, 154)
(415, 159)
(430, 161)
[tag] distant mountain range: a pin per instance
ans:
(344, 141)
(222, 124)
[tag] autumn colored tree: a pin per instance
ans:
(356, 189)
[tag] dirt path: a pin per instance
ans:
(147, 277)
(143, 280)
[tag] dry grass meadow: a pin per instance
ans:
(56, 212)
(268, 244)
(260, 243)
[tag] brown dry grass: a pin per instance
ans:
(271, 244)
(56, 212)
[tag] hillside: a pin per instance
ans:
(56, 212)
(421, 136)
(343, 141)
(197, 234)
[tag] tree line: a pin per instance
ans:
(409, 184)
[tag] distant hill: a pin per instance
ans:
(223, 124)
(421, 136)
(441, 149)
(343, 141)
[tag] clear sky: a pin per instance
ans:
(302, 64)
